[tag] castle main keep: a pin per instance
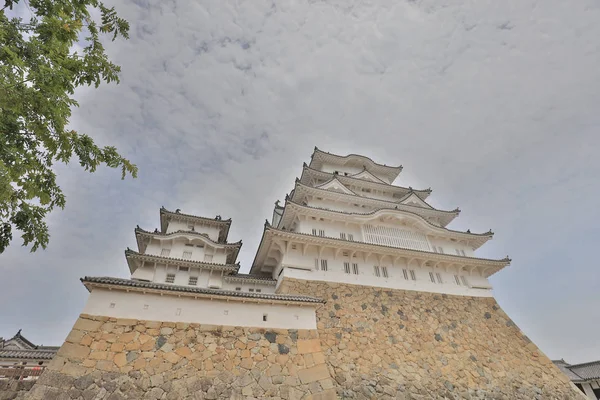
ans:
(358, 290)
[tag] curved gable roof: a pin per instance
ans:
(319, 157)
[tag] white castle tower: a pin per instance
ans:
(345, 222)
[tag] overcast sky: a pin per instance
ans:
(495, 105)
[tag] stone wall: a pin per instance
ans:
(10, 388)
(370, 343)
(113, 359)
(396, 344)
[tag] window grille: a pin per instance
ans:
(187, 255)
(251, 290)
(170, 278)
(376, 270)
(184, 269)
(384, 272)
(314, 232)
(238, 288)
(317, 264)
(464, 280)
(189, 245)
(165, 252)
(431, 277)
(323, 265)
(412, 275)
(258, 290)
(463, 253)
(351, 237)
(193, 280)
(347, 267)
(355, 268)
(395, 237)
(208, 258)
(405, 273)
(457, 279)
(439, 277)
(321, 232)
(342, 236)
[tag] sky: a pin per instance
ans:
(494, 105)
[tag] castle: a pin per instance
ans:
(358, 290)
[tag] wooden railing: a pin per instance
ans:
(21, 372)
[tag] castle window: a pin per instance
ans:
(189, 245)
(112, 305)
(187, 255)
(323, 265)
(355, 269)
(440, 250)
(347, 267)
(464, 280)
(366, 190)
(314, 232)
(238, 288)
(251, 290)
(434, 249)
(384, 272)
(193, 280)
(321, 232)
(457, 279)
(208, 258)
(184, 268)
(265, 316)
(376, 270)
(165, 252)
(405, 273)
(351, 237)
(431, 277)
(342, 236)
(317, 264)
(258, 290)
(463, 253)
(412, 275)
(170, 278)
(439, 277)
(200, 246)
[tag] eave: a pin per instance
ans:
(234, 248)
(222, 224)
(301, 189)
(486, 266)
(308, 172)
(292, 209)
(250, 279)
(132, 256)
(199, 293)
(319, 157)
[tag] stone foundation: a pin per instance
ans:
(10, 388)
(369, 344)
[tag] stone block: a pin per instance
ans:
(308, 346)
(73, 351)
(313, 374)
(87, 325)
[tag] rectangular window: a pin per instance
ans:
(412, 275)
(439, 277)
(342, 236)
(189, 245)
(238, 288)
(193, 280)
(190, 227)
(376, 270)
(251, 290)
(184, 269)
(384, 272)
(317, 264)
(431, 277)
(351, 237)
(434, 249)
(165, 252)
(170, 278)
(457, 252)
(208, 258)
(464, 280)
(463, 253)
(323, 265)
(457, 279)
(355, 269)
(314, 232)
(265, 316)
(405, 273)
(440, 250)
(200, 246)
(258, 290)
(347, 267)
(321, 233)
(187, 255)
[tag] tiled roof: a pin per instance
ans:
(580, 372)
(249, 277)
(46, 353)
(199, 234)
(230, 267)
(189, 289)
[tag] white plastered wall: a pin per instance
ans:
(170, 308)
(211, 231)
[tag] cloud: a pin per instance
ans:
(492, 105)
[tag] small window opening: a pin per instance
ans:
(238, 288)
(193, 281)
(384, 272)
(170, 278)
(265, 316)
(347, 267)
(112, 305)
(187, 255)
(165, 252)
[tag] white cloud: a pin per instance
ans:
(493, 105)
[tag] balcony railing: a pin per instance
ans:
(20, 372)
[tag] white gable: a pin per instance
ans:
(367, 176)
(336, 186)
(414, 200)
